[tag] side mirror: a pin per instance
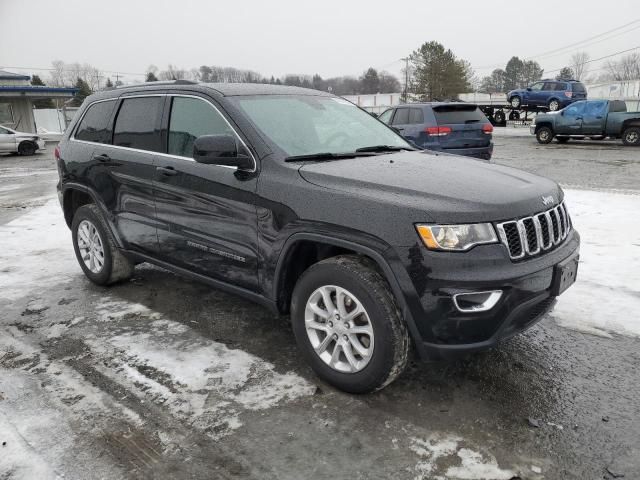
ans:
(221, 150)
(528, 89)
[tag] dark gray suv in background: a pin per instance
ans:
(303, 202)
(450, 127)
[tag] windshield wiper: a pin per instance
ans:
(326, 156)
(382, 148)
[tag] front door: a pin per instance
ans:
(206, 213)
(123, 172)
(594, 117)
(569, 120)
(7, 141)
(533, 95)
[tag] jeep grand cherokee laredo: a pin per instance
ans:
(303, 202)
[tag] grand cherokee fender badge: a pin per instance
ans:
(548, 200)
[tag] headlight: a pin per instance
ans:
(456, 237)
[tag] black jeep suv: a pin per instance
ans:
(301, 201)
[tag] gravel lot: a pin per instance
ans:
(165, 378)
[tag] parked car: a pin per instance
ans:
(327, 214)
(12, 141)
(553, 94)
(596, 119)
(457, 128)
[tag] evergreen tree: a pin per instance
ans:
(36, 81)
(109, 83)
(437, 73)
(151, 77)
(83, 92)
(370, 82)
(565, 74)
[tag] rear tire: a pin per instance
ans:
(554, 105)
(499, 117)
(96, 251)
(349, 282)
(27, 149)
(631, 136)
(544, 135)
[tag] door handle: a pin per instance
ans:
(168, 171)
(578, 118)
(104, 158)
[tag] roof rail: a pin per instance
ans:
(159, 82)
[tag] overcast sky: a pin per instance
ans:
(290, 36)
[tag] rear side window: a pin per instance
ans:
(137, 124)
(416, 115)
(577, 87)
(458, 114)
(401, 117)
(561, 86)
(549, 86)
(94, 126)
(190, 119)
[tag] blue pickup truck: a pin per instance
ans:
(595, 119)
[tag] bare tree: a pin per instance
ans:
(67, 74)
(579, 64)
(627, 68)
(173, 73)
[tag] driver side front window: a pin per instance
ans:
(575, 109)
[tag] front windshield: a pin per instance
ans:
(306, 125)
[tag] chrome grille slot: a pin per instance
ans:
(526, 237)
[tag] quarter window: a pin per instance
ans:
(94, 126)
(190, 119)
(137, 124)
(416, 116)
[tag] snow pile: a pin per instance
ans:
(36, 252)
(438, 451)
(606, 296)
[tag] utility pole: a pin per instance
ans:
(406, 79)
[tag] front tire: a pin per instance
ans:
(515, 102)
(631, 136)
(348, 326)
(544, 135)
(27, 149)
(96, 251)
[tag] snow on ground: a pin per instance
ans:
(36, 252)
(606, 296)
(437, 452)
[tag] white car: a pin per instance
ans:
(19, 142)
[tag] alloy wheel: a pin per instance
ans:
(554, 105)
(339, 329)
(632, 137)
(90, 246)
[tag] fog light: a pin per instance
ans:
(476, 301)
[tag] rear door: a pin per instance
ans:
(123, 170)
(207, 213)
(461, 126)
(569, 120)
(400, 120)
(594, 117)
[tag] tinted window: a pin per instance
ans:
(458, 114)
(549, 86)
(561, 86)
(577, 87)
(137, 124)
(416, 115)
(386, 116)
(575, 109)
(401, 117)
(190, 119)
(94, 126)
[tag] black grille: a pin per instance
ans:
(531, 235)
(544, 229)
(513, 239)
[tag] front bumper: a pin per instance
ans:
(41, 144)
(431, 279)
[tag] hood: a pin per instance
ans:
(445, 188)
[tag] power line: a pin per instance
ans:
(598, 59)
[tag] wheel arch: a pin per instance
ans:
(75, 195)
(631, 122)
(282, 282)
(544, 124)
